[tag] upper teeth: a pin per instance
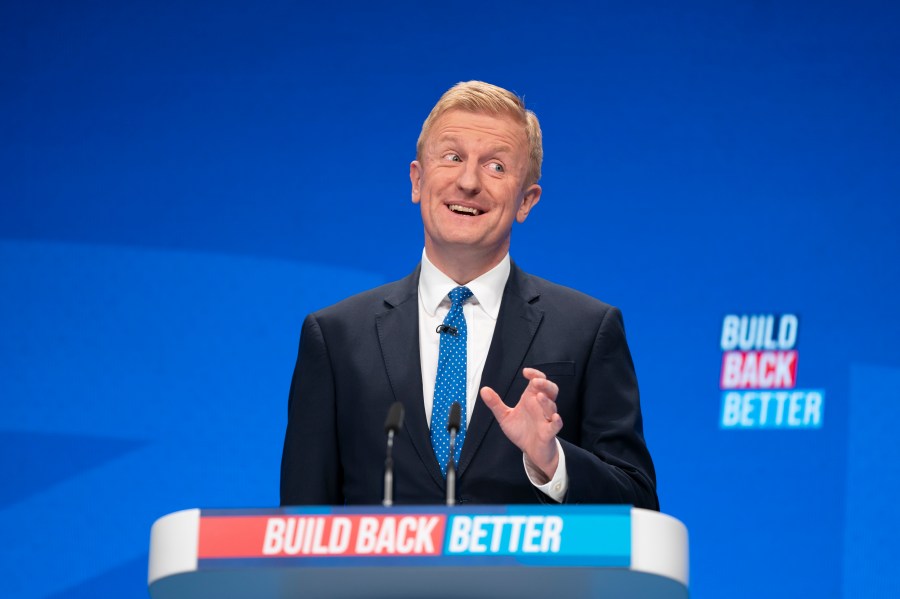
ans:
(466, 209)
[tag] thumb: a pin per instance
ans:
(493, 402)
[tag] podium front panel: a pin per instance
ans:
(419, 552)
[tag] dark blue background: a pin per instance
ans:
(182, 182)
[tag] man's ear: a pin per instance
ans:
(415, 177)
(531, 198)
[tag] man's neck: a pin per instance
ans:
(464, 266)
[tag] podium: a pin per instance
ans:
(419, 552)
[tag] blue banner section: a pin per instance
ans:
(599, 535)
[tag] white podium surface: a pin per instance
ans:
(419, 552)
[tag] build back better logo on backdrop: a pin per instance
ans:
(759, 375)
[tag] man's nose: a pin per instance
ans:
(469, 179)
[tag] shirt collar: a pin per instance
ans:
(434, 286)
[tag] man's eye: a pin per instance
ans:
(452, 157)
(496, 167)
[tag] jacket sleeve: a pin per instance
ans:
(310, 462)
(610, 463)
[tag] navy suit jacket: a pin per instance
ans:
(359, 356)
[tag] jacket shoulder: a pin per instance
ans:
(371, 301)
(555, 297)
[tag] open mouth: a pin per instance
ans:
(464, 210)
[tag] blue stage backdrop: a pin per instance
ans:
(183, 182)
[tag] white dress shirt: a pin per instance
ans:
(481, 312)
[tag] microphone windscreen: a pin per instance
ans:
(455, 420)
(394, 420)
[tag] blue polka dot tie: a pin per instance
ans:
(450, 384)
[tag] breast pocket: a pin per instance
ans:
(554, 369)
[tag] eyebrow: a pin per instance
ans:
(501, 149)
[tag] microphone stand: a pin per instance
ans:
(453, 424)
(389, 472)
(451, 471)
(392, 424)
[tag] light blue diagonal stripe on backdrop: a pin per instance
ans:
(871, 533)
(181, 359)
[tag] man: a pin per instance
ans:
(550, 402)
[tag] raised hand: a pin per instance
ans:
(532, 425)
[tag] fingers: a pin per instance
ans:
(556, 423)
(533, 373)
(543, 392)
(539, 383)
(547, 406)
(539, 399)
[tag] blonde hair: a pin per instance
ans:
(481, 97)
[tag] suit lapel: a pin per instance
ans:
(517, 323)
(398, 334)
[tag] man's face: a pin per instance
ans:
(470, 184)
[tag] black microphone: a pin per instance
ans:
(392, 425)
(394, 421)
(446, 328)
(454, 421)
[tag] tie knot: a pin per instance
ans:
(458, 295)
